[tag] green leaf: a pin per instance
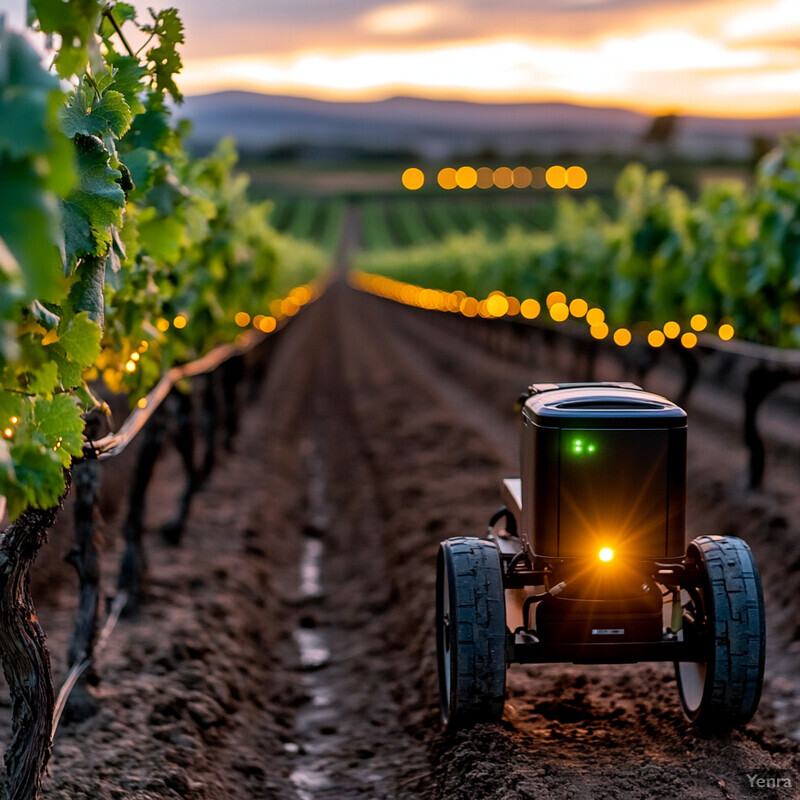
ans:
(76, 22)
(45, 317)
(59, 424)
(86, 115)
(128, 77)
(161, 238)
(98, 201)
(114, 109)
(44, 380)
(69, 372)
(38, 478)
(29, 227)
(87, 293)
(165, 60)
(81, 339)
(25, 94)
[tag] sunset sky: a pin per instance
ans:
(723, 57)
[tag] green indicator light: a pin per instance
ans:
(579, 447)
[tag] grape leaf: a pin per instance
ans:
(81, 339)
(59, 424)
(76, 22)
(87, 293)
(29, 227)
(25, 99)
(45, 317)
(38, 478)
(86, 115)
(165, 60)
(96, 202)
(128, 75)
(43, 380)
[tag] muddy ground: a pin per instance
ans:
(287, 647)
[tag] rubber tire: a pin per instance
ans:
(734, 673)
(470, 600)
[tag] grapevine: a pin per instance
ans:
(120, 257)
(732, 256)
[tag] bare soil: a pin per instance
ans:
(287, 648)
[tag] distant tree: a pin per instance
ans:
(658, 139)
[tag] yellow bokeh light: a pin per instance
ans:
(698, 322)
(559, 311)
(413, 178)
(622, 337)
(289, 307)
(242, 319)
(689, 340)
(595, 316)
(606, 554)
(576, 177)
(726, 332)
(135, 356)
(497, 305)
(267, 324)
(143, 346)
(503, 177)
(14, 420)
(180, 321)
(530, 308)
(8, 433)
(162, 324)
(469, 307)
(599, 330)
(447, 178)
(538, 179)
(130, 366)
(485, 177)
(275, 307)
(655, 338)
(521, 177)
(556, 177)
(301, 295)
(513, 306)
(142, 403)
(671, 330)
(466, 177)
(578, 307)
(555, 297)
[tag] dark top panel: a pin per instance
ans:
(601, 405)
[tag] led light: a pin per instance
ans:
(594, 316)
(606, 554)
(698, 322)
(413, 178)
(530, 308)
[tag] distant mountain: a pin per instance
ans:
(441, 128)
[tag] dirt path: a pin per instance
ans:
(287, 650)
